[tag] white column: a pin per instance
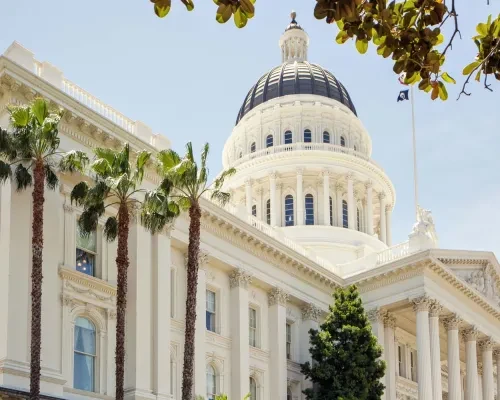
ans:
(200, 368)
(437, 388)
(300, 198)
(486, 347)
(390, 357)
(421, 308)
(351, 206)
(388, 218)
(326, 197)
(376, 318)
(161, 319)
(240, 373)
(248, 195)
(277, 342)
(340, 216)
(383, 225)
(471, 385)
(5, 245)
(454, 379)
(310, 320)
(279, 204)
(69, 235)
(261, 209)
(480, 380)
(272, 196)
(369, 208)
(497, 359)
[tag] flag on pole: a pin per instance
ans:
(403, 95)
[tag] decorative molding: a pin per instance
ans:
(381, 195)
(202, 259)
(452, 322)
(376, 315)
(68, 208)
(486, 344)
(369, 185)
(111, 314)
(277, 296)
(390, 321)
(470, 334)
(239, 278)
(273, 175)
(435, 309)
(90, 284)
(311, 313)
(421, 303)
(300, 170)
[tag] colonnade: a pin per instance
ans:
(344, 189)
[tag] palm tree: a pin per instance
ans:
(182, 186)
(29, 156)
(115, 189)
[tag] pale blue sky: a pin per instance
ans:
(186, 77)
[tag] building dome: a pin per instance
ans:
(295, 77)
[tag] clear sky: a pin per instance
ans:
(186, 76)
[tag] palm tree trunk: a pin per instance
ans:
(192, 284)
(36, 279)
(122, 263)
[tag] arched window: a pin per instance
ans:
(288, 394)
(254, 210)
(84, 355)
(268, 211)
(342, 141)
(252, 147)
(269, 141)
(288, 137)
(345, 215)
(358, 220)
(309, 209)
(326, 137)
(211, 383)
(289, 210)
(331, 211)
(253, 389)
(307, 136)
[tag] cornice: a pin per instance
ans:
(89, 282)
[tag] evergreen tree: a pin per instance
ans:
(346, 356)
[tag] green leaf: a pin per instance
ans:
(362, 45)
(40, 109)
(162, 8)
(240, 18)
(340, 24)
(224, 12)
(19, 115)
(342, 37)
(482, 29)
(408, 5)
(435, 92)
(248, 7)
(448, 78)
(471, 67)
(478, 75)
(443, 93)
(189, 4)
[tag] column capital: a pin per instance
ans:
(356, 193)
(111, 314)
(486, 344)
(390, 321)
(167, 229)
(279, 185)
(202, 259)
(376, 315)
(248, 181)
(496, 353)
(388, 207)
(349, 176)
(68, 208)
(300, 170)
(239, 278)
(260, 190)
(381, 195)
(339, 187)
(452, 322)
(311, 313)
(421, 303)
(325, 173)
(435, 308)
(277, 296)
(470, 334)
(273, 175)
(369, 185)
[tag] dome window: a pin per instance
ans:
(289, 210)
(254, 210)
(342, 141)
(358, 220)
(326, 137)
(307, 136)
(331, 210)
(345, 214)
(268, 211)
(309, 200)
(269, 141)
(252, 147)
(355, 148)
(288, 137)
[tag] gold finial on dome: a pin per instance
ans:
(293, 15)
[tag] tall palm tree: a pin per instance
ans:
(114, 190)
(183, 184)
(29, 155)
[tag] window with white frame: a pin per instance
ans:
(309, 203)
(211, 382)
(331, 210)
(401, 360)
(358, 220)
(307, 136)
(289, 212)
(342, 141)
(326, 137)
(413, 365)
(288, 341)
(269, 141)
(345, 214)
(252, 324)
(254, 210)
(211, 310)
(252, 147)
(172, 292)
(86, 252)
(288, 137)
(84, 361)
(268, 211)
(253, 389)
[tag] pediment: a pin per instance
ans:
(480, 276)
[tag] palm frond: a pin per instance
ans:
(189, 152)
(111, 229)
(23, 177)
(140, 165)
(219, 181)
(97, 194)
(19, 115)
(40, 110)
(107, 154)
(204, 155)
(124, 160)
(5, 171)
(74, 161)
(88, 221)
(5, 142)
(51, 178)
(221, 197)
(167, 159)
(79, 193)
(101, 167)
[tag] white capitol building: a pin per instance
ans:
(310, 211)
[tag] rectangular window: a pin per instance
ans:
(288, 341)
(252, 323)
(172, 293)
(86, 252)
(413, 365)
(401, 360)
(210, 319)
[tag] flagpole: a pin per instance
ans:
(415, 177)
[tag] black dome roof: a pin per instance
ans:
(295, 77)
